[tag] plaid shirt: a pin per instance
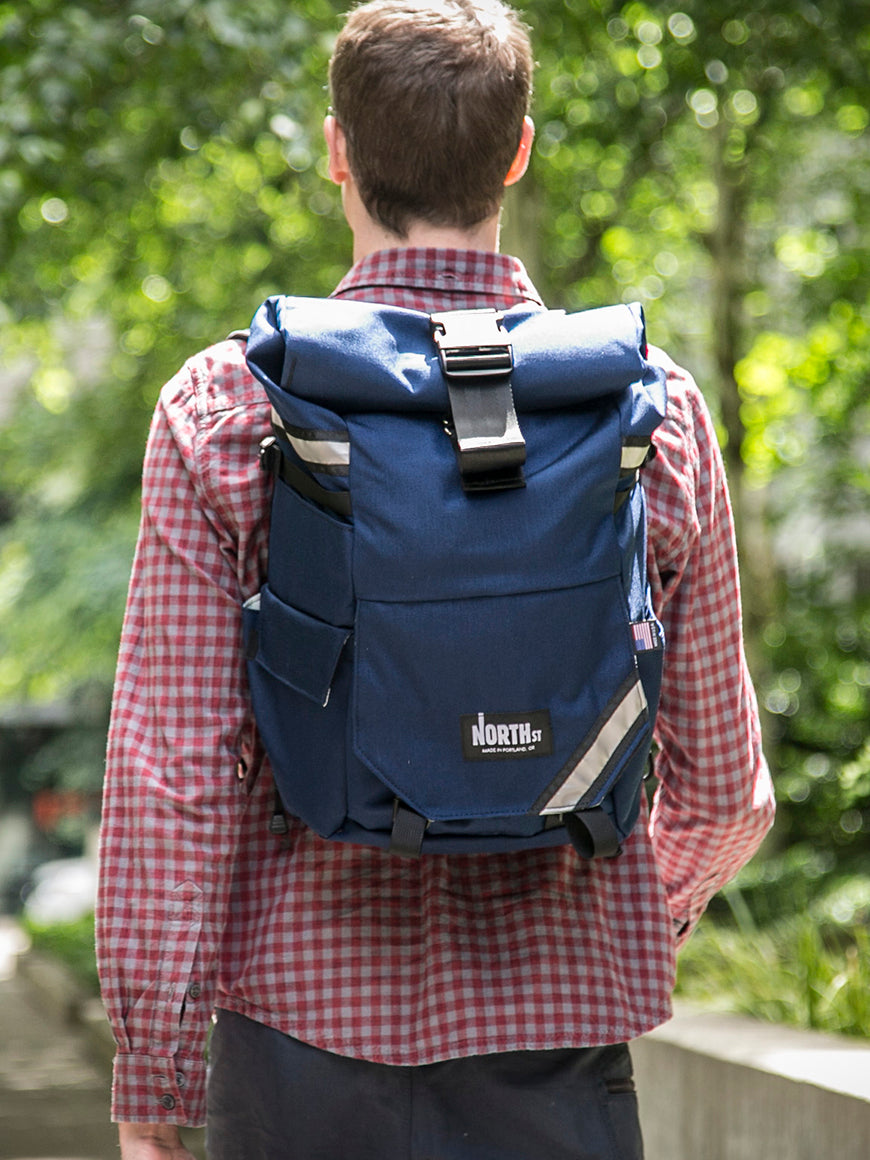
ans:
(394, 960)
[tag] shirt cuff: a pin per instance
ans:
(151, 1089)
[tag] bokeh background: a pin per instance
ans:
(162, 171)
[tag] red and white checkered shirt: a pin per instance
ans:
(396, 960)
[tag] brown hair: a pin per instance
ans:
(431, 98)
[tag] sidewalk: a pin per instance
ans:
(54, 1101)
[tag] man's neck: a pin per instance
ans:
(369, 236)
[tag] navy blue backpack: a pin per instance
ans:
(455, 649)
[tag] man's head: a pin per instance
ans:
(431, 99)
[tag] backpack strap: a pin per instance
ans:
(592, 833)
(637, 451)
(409, 828)
(274, 461)
(476, 357)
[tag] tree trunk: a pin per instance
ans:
(727, 245)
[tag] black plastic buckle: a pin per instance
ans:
(471, 343)
(270, 455)
(476, 358)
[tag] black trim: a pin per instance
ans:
(409, 829)
(591, 736)
(593, 834)
(272, 459)
(312, 433)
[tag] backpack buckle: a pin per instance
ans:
(476, 358)
(471, 343)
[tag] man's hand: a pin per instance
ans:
(152, 1142)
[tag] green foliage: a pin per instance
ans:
(819, 695)
(72, 943)
(793, 973)
(788, 942)
(160, 179)
(161, 172)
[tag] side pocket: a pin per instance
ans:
(299, 673)
(295, 648)
(648, 639)
(310, 558)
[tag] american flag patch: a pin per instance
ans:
(647, 634)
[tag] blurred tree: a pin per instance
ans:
(158, 177)
(710, 160)
(161, 172)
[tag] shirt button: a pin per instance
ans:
(167, 1102)
(179, 1079)
(194, 990)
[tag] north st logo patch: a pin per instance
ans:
(497, 736)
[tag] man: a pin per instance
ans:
(460, 1007)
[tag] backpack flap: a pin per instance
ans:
(495, 685)
(531, 702)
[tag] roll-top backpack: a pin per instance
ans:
(455, 650)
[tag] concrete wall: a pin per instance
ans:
(711, 1087)
(722, 1087)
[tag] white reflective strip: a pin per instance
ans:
(634, 456)
(322, 451)
(326, 452)
(596, 757)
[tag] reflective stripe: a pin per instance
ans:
(321, 451)
(610, 736)
(314, 448)
(633, 456)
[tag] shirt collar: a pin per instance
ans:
(449, 270)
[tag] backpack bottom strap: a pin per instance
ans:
(409, 827)
(592, 833)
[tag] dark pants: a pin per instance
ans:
(271, 1097)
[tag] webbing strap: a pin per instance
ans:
(274, 460)
(477, 359)
(409, 828)
(592, 833)
(636, 453)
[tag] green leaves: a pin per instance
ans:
(159, 180)
(161, 172)
(796, 973)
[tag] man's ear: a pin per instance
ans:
(521, 161)
(336, 146)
